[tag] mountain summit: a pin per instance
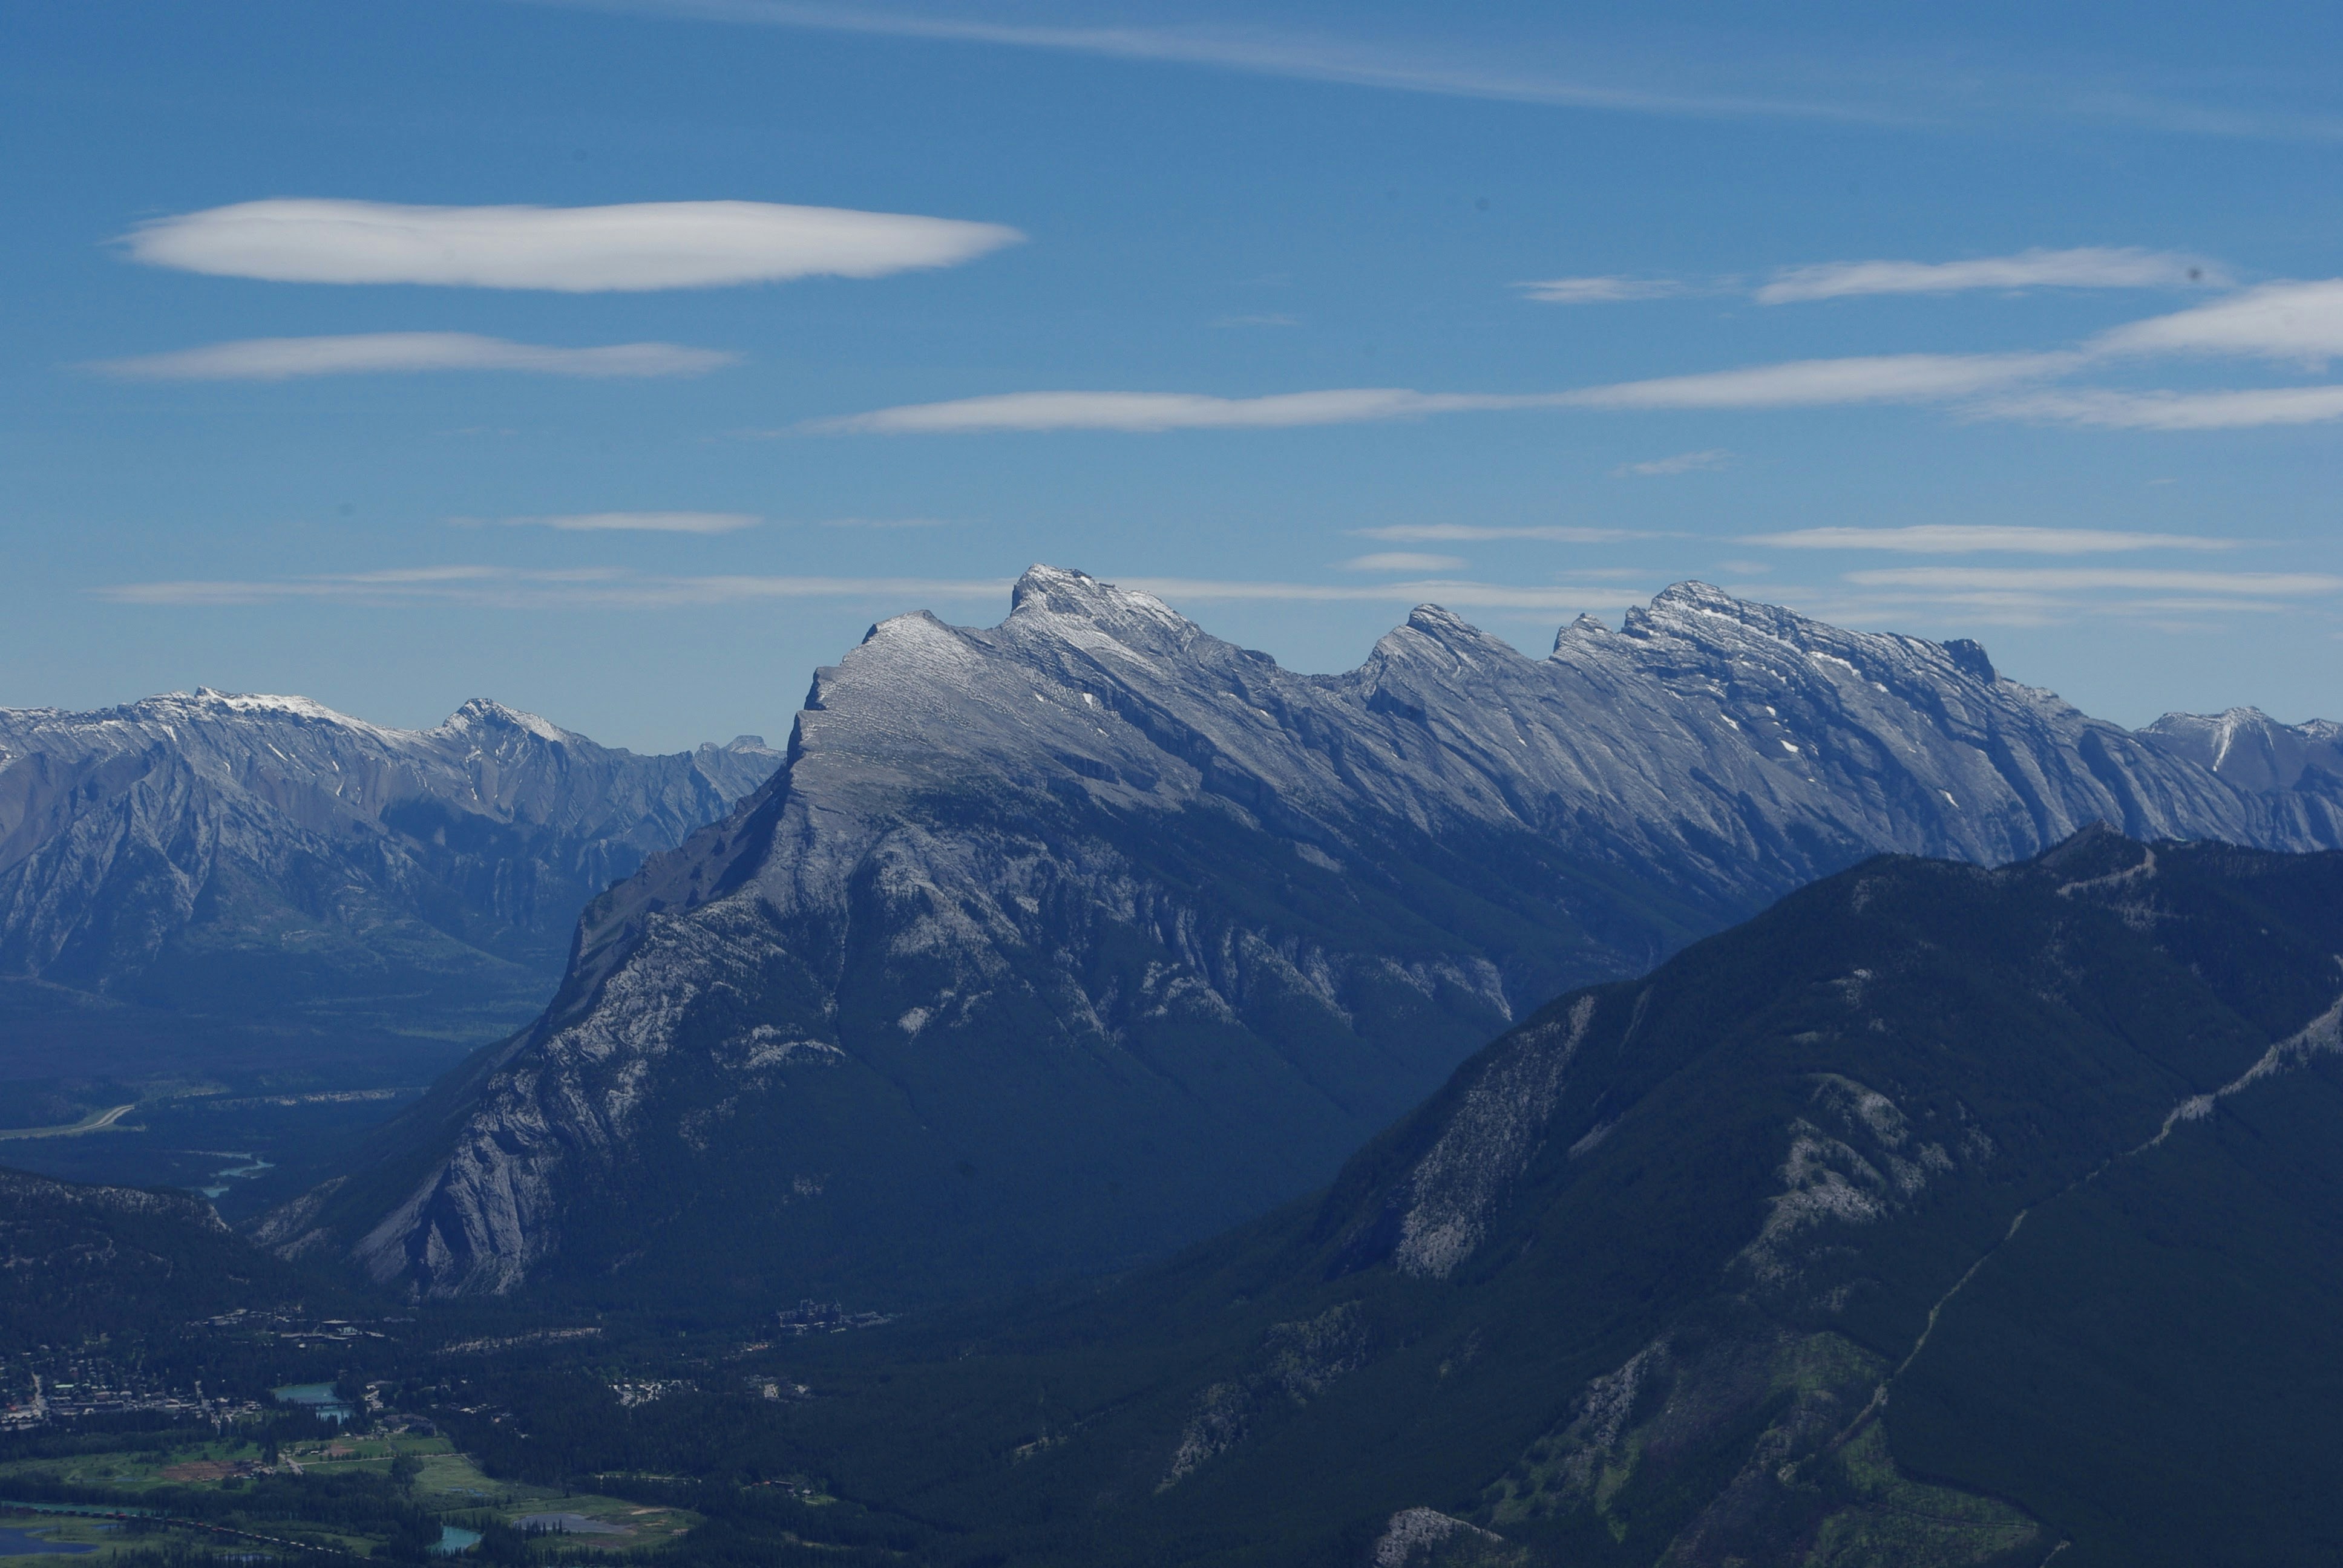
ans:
(1056, 943)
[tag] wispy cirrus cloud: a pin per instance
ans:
(386, 353)
(1971, 538)
(625, 522)
(1261, 51)
(1724, 81)
(1708, 461)
(2087, 267)
(633, 247)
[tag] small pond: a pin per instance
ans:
(317, 1396)
(452, 1541)
(20, 1543)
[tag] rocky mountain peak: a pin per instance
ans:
(2250, 749)
(487, 713)
(1094, 846)
(206, 703)
(1057, 601)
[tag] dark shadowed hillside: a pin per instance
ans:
(1939, 1216)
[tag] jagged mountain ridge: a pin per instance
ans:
(1939, 1215)
(1096, 858)
(237, 855)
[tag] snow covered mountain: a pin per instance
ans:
(1057, 943)
(242, 858)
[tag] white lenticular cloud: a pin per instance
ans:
(2093, 267)
(1402, 561)
(575, 250)
(1965, 539)
(2230, 410)
(2021, 579)
(1599, 290)
(380, 353)
(2298, 321)
(1157, 411)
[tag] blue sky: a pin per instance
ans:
(1982, 322)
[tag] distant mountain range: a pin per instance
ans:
(1939, 1216)
(195, 866)
(1057, 944)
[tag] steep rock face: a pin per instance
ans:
(237, 855)
(1061, 941)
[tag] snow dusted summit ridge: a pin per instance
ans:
(1058, 942)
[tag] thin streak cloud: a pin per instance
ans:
(2233, 410)
(627, 248)
(630, 522)
(1466, 533)
(1965, 539)
(394, 353)
(2094, 267)
(2076, 579)
(1600, 290)
(499, 588)
(1402, 561)
(504, 587)
(1452, 594)
(1152, 412)
(1800, 384)
(1709, 461)
(1821, 382)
